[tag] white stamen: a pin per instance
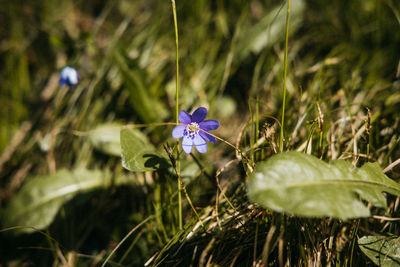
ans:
(192, 129)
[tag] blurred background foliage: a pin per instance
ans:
(343, 55)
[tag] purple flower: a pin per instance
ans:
(195, 130)
(69, 76)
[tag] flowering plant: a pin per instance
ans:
(69, 76)
(195, 130)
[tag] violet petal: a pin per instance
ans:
(208, 125)
(207, 137)
(200, 144)
(187, 144)
(178, 131)
(184, 117)
(199, 114)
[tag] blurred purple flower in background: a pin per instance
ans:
(195, 130)
(69, 76)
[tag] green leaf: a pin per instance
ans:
(38, 201)
(106, 138)
(189, 170)
(138, 154)
(304, 185)
(383, 251)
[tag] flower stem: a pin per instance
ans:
(284, 75)
(177, 59)
(178, 163)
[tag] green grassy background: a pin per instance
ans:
(343, 57)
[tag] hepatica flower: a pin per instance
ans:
(69, 76)
(195, 130)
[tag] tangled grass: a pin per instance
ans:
(343, 101)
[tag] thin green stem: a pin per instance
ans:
(125, 238)
(128, 126)
(178, 164)
(284, 76)
(189, 200)
(134, 242)
(178, 172)
(177, 59)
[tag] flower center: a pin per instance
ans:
(192, 129)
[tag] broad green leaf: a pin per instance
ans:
(138, 154)
(106, 138)
(38, 201)
(304, 185)
(383, 251)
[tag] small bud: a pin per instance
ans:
(69, 76)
